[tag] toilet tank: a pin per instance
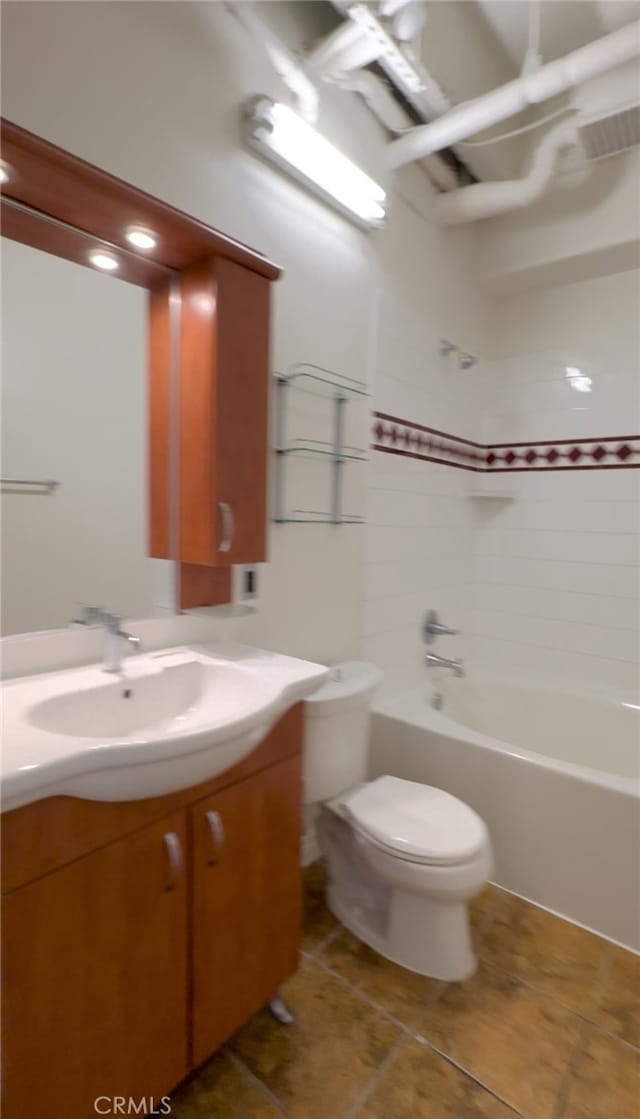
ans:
(336, 731)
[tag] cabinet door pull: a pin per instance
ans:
(216, 830)
(228, 525)
(174, 852)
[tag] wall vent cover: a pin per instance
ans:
(611, 134)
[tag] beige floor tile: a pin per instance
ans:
(606, 1083)
(401, 992)
(318, 1066)
(514, 1040)
(555, 956)
(618, 1007)
(318, 921)
(221, 1090)
(419, 1084)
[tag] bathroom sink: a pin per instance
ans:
(156, 701)
(175, 718)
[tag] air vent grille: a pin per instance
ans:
(612, 134)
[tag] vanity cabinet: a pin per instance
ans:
(245, 864)
(135, 944)
(94, 974)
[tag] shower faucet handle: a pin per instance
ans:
(432, 627)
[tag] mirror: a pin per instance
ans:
(74, 460)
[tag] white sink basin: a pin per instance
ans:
(153, 702)
(178, 717)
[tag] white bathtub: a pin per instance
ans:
(556, 778)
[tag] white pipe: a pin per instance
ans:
(282, 61)
(485, 200)
(378, 97)
(391, 114)
(553, 78)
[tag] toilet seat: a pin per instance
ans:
(416, 822)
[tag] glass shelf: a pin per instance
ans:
(322, 382)
(315, 449)
(313, 517)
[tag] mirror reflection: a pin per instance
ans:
(74, 445)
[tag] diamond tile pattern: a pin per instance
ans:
(402, 437)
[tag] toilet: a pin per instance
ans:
(403, 858)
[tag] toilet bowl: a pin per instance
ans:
(403, 858)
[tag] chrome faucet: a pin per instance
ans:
(117, 641)
(432, 660)
(432, 627)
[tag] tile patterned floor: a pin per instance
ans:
(548, 1028)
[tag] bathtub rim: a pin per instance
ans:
(390, 706)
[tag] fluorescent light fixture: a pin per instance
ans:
(294, 145)
(106, 261)
(577, 379)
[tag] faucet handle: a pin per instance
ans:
(89, 616)
(432, 627)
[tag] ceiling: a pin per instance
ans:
(564, 24)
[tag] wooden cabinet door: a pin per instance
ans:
(94, 983)
(224, 395)
(247, 900)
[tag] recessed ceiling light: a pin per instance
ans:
(5, 172)
(106, 261)
(140, 237)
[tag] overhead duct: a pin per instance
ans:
(390, 113)
(281, 58)
(611, 133)
(486, 200)
(550, 80)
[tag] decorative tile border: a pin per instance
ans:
(396, 436)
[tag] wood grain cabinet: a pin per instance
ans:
(224, 395)
(245, 864)
(130, 964)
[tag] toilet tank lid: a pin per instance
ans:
(351, 684)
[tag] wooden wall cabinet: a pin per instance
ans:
(130, 964)
(223, 408)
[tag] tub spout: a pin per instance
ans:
(432, 660)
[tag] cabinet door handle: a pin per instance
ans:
(228, 525)
(216, 830)
(174, 853)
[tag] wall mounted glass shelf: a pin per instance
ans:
(334, 452)
(314, 448)
(311, 517)
(322, 382)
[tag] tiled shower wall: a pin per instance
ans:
(556, 569)
(545, 580)
(419, 521)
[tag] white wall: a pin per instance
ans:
(420, 522)
(354, 303)
(557, 569)
(74, 410)
(152, 92)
